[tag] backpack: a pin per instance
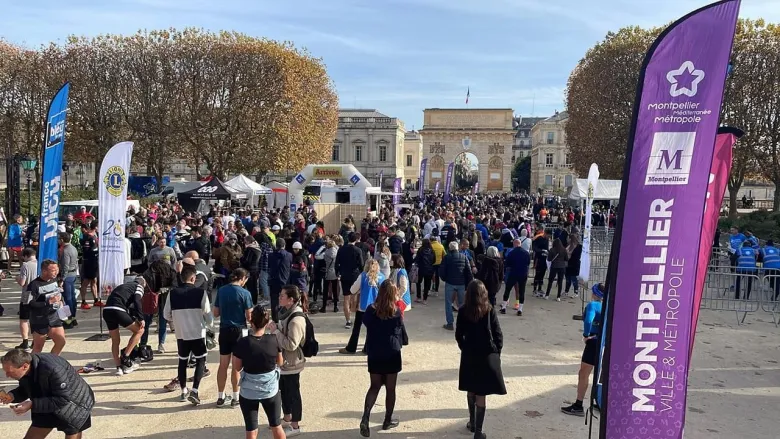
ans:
(144, 354)
(136, 249)
(150, 301)
(310, 347)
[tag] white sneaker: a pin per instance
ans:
(290, 432)
(127, 370)
(558, 299)
(119, 372)
(160, 348)
(546, 297)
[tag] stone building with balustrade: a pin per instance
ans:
(551, 169)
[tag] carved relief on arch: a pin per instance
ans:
(437, 162)
(495, 174)
(496, 162)
(435, 170)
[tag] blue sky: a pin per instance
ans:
(398, 56)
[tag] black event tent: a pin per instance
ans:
(214, 189)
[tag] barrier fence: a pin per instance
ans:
(726, 288)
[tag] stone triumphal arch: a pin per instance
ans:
(486, 133)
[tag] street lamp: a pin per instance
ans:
(65, 170)
(80, 173)
(28, 164)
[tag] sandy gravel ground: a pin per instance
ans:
(734, 386)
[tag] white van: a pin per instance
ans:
(72, 207)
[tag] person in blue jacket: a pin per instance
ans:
(735, 243)
(746, 265)
(750, 237)
(15, 240)
(591, 335)
(771, 257)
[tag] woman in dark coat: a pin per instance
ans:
(425, 270)
(384, 340)
(491, 272)
(573, 266)
(480, 341)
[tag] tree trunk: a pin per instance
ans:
(776, 201)
(733, 202)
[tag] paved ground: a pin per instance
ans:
(734, 387)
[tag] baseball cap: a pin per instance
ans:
(297, 245)
(276, 227)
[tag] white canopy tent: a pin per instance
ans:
(605, 190)
(250, 188)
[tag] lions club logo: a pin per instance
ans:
(115, 180)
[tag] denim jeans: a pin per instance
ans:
(69, 294)
(264, 290)
(448, 291)
(162, 326)
(571, 280)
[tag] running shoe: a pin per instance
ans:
(290, 431)
(184, 396)
(99, 304)
(364, 430)
(85, 306)
(393, 423)
(224, 402)
(119, 372)
(574, 410)
(449, 327)
(335, 308)
(519, 312)
(425, 303)
(517, 306)
(344, 351)
(234, 402)
(348, 325)
(160, 348)
(558, 299)
(172, 386)
(193, 398)
(502, 310)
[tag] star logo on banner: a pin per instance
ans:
(688, 82)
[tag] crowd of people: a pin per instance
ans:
(264, 273)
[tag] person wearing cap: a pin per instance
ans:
(265, 225)
(591, 336)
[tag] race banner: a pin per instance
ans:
(51, 176)
(436, 188)
(718, 182)
(421, 182)
(593, 180)
(112, 211)
(652, 273)
(448, 182)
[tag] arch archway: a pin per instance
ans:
(495, 174)
(466, 172)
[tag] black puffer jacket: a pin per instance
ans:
(424, 260)
(453, 269)
(56, 389)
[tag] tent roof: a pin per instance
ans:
(213, 189)
(605, 190)
(243, 184)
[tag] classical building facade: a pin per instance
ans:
(413, 153)
(523, 140)
(373, 142)
(486, 133)
(551, 169)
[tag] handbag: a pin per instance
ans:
(404, 335)
(414, 273)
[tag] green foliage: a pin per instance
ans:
(762, 223)
(521, 174)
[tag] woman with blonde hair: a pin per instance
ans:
(366, 289)
(384, 340)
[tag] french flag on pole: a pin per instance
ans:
(468, 93)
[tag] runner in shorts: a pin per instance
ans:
(233, 305)
(590, 356)
(124, 309)
(45, 300)
(89, 266)
(27, 273)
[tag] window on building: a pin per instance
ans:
(548, 180)
(568, 160)
(382, 153)
(358, 153)
(408, 160)
(568, 181)
(408, 182)
(336, 152)
(522, 143)
(548, 160)
(550, 137)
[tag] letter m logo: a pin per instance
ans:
(667, 160)
(670, 158)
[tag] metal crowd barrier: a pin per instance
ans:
(770, 294)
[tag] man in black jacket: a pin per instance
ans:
(200, 244)
(279, 265)
(349, 265)
(250, 261)
(51, 389)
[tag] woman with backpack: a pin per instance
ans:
(290, 334)
(384, 341)
(331, 288)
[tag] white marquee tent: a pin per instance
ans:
(605, 190)
(250, 188)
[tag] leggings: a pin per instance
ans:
(520, 282)
(290, 388)
(426, 282)
(271, 406)
(377, 381)
(436, 278)
(555, 273)
(332, 290)
(541, 270)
